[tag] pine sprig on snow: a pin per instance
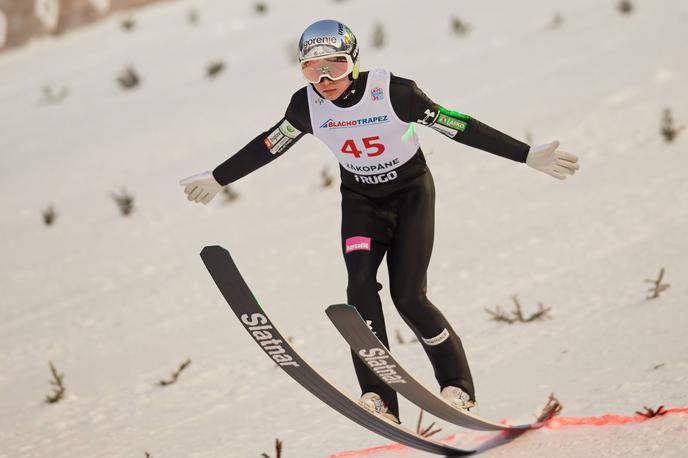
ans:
(517, 315)
(668, 130)
(175, 375)
(59, 388)
(658, 287)
(213, 69)
(278, 450)
(400, 338)
(327, 179)
(124, 201)
(230, 194)
(129, 78)
(52, 96)
(425, 432)
(551, 409)
(651, 413)
(49, 215)
(625, 6)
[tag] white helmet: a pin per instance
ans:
(328, 38)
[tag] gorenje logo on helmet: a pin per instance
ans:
(320, 41)
(334, 124)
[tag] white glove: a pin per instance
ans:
(547, 159)
(201, 188)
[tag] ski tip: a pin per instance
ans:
(212, 249)
(338, 308)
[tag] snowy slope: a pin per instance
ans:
(117, 303)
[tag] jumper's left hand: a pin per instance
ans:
(547, 159)
(201, 188)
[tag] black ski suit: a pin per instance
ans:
(397, 218)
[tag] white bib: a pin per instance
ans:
(367, 138)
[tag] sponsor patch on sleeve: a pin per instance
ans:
(281, 145)
(289, 130)
(429, 119)
(280, 139)
(274, 138)
(449, 132)
(451, 122)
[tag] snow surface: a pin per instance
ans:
(117, 303)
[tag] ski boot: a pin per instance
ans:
(458, 398)
(374, 403)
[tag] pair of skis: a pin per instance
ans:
(364, 343)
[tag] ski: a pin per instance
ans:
(228, 279)
(377, 357)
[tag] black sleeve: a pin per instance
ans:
(412, 105)
(268, 145)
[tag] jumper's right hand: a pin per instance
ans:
(201, 187)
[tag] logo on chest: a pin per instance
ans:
(349, 123)
(377, 94)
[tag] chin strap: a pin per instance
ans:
(353, 77)
(351, 90)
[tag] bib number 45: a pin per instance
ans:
(371, 144)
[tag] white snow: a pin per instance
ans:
(118, 303)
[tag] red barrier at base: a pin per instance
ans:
(609, 419)
(554, 423)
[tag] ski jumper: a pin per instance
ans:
(388, 201)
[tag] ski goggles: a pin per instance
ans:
(334, 67)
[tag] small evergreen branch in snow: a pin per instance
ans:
(668, 129)
(425, 432)
(517, 315)
(500, 315)
(128, 24)
(214, 68)
(278, 450)
(651, 413)
(193, 17)
(551, 409)
(260, 8)
(129, 79)
(230, 194)
(49, 215)
(327, 179)
(400, 338)
(459, 27)
(175, 375)
(625, 6)
(124, 201)
(378, 36)
(58, 386)
(658, 287)
(50, 95)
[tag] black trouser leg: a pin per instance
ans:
(408, 258)
(364, 234)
